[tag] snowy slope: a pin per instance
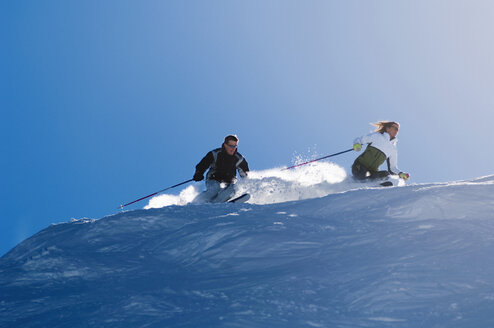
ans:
(413, 256)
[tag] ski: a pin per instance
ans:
(240, 199)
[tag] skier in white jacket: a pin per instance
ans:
(381, 147)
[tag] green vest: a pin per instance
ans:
(372, 158)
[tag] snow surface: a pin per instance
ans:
(411, 256)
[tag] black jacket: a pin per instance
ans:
(222, 167)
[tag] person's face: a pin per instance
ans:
(230, 146)
(393, 131)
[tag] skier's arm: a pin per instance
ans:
(367, 139)
(243, 168)
(393, 164)
(203, 166)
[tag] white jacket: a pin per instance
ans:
(388, 147)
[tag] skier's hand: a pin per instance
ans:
(404, 176)
(357, 147)
(198, 177)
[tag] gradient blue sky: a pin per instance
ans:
(106, 101)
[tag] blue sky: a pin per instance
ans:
(106, 101)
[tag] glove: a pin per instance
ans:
(404, 176)
(357, 147)
(198, 177)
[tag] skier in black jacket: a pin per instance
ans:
(222, 164)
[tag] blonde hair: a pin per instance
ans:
(382, 126)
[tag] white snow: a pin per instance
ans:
(349, 256)
(278, 185)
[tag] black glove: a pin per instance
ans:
(198, 177)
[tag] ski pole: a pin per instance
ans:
(318, 159)
(155, 193)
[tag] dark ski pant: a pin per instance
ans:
(360, 172)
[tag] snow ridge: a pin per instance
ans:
(414, 256)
